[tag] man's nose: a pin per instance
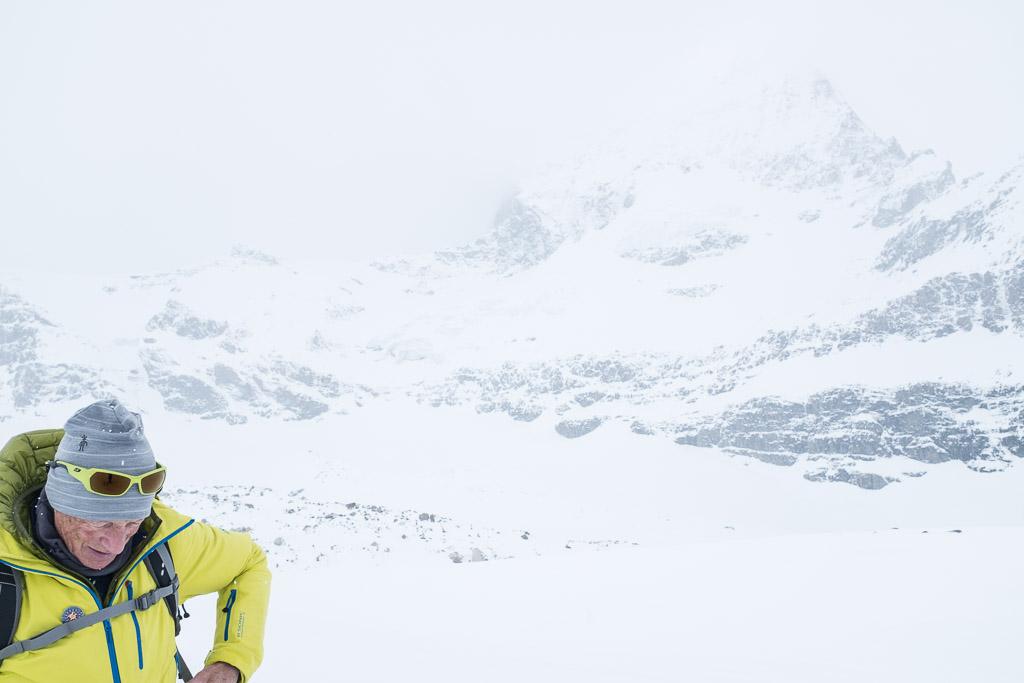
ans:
(113, 541)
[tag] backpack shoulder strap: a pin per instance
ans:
(11, 586)
(47, 638)
(161, 565)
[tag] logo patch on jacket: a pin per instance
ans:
(71, 613)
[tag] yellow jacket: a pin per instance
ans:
(138, 647)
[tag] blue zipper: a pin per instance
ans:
(111, 652)
(227, 610)
(135, 618)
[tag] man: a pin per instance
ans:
(81, 529)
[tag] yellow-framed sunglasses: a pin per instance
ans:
(109, 483)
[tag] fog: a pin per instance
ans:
(149, 136)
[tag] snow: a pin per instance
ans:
(725, 569)
(891, 606)
(810, 582)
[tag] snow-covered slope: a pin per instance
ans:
(845, 608)
(620, 558)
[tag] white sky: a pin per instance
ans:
(136, 136)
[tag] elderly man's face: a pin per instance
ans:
(94, 544)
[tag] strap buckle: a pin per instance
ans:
(145, 601)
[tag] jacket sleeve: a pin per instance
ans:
(233, 566)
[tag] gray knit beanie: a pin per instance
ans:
(107, 435)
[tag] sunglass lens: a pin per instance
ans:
(109, 484)
(154, 482)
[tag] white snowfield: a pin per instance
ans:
(888, 606)
(682, 563)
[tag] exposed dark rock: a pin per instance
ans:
(638, 427)
(604, 369)
(573, 429)
(704, 244)
(940, 307)
(517, 410)
(927, 236)
(187, 394)
(300, 407)
(33, 384)
(519, 240)
(181, 393)
(226, 378)
(864, 480)
(924, 421)
(895, 206)
(323, 383)
(251, 255)
(19, 329)
(178, 319)
(693, 292)
(589, 398)
(781, 459)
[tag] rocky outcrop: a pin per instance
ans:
(19, 329)
(33, 384)
(573, 429)
(520, 239)
(182, 392)
(704, 244)
(978, 221)
(28, 381)
(227, 391)
(929, 422)
(896, 205)
(865, 480)
(178, 319)
(942, 306)
(521, 411)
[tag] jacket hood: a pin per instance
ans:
(22, 473)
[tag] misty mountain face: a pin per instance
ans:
(991, 216)
(805, 151)
(761, 275)
(520, 239)
(28, 378)
(19, 329)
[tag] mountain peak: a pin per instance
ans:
(247, 254)
(789, 134)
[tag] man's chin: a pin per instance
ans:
(96, 560)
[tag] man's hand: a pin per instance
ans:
(218, 672)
